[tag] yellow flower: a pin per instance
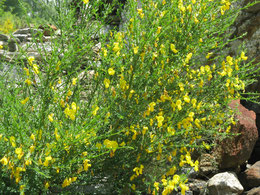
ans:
(106, 82)
(176, 179)
(25, 100)
(32, 137)
(26, 71)
(181, 85)
(47, 159)
(144, 130)
(189, 8)
(4, 161)
(209, 54)
(22, 187)
(207, 68)
(66, 183)
(151, 106)
(196, 166)
(159, 30)
(62, 103)
(116, 47)
(243, 57)
(206, 145)
(35, 69)
(73, 179)
(1, 46)
(71, 112)
(98, 145)
(28, 82)
(31, 59)
(69, 93)
(111, 144)
(178, 104)
(57, 136)
(183, 188)
(47, 185)
(28, 162)
(19, 152)
(229, 60)
(105, 52)
(111, 71)
(74, 81)
(156, 185)
(197, 123)
(140, 12)
(85, 1)
(189, 56)
(186, 98)
(50, 117)
(182, 8)
(172, 46)
(32, 148)
(94, 112)
(160, 120)
(136, 49)
(86, 164)
(12, 140)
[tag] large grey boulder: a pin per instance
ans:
(225, 183)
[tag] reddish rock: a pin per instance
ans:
(48, 30)
(235, 151)
(254, 191)
(252, 175)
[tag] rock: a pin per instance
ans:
(252, 175)
(37, 47)
(3, 37)
(254, 191)
(4, 45)
(254, 9)
(235, 151)
(28, 31)
(224, 184)
(48, 30)
(255, 156)
(8, 56)
(21, 37)
(249, 26)
(207, 165)
(12, 45)
(197, 186)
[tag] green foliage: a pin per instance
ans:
(10, 22)
(132, 112)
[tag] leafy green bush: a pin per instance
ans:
(132, 112)
(8, 23)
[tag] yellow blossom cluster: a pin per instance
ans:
(70, 111)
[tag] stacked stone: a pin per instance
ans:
(23, 38)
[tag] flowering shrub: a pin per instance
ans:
(132, 112)
(9, 22)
